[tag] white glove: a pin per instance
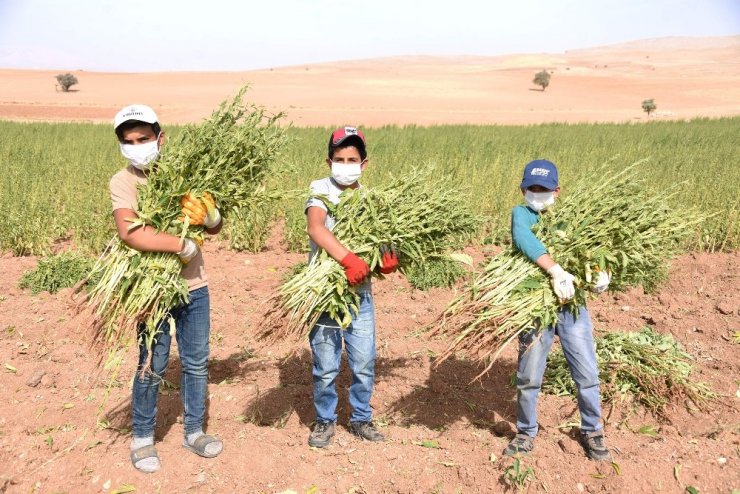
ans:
(602, 282)
(212, 219)
(562, 282)
(189, 251)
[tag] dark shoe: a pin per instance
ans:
(366, 430)
(593, 443)
(321, 435)
(522, 444)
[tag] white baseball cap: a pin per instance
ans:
(142, 113)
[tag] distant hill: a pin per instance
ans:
(688, 77)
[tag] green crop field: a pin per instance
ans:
(54, 180)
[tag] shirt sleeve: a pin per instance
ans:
(317, 187)
(522, 221)
(123, 193)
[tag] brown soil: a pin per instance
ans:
(260, 403)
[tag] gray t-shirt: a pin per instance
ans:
(328, 187)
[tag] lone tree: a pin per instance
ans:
(648, 106)
(542, 79)
(66, 81)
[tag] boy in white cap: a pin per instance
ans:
(540, 189)
(347, 158)
(141, 138)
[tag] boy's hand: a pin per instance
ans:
(200, 212)
(355, 268)
(213, 216)
(388, 261)
(602, 282)
(562, 282)
(188, 252)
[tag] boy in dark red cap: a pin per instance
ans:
(347, 158)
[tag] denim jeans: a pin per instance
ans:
(326, 347)
(193, 330)
(576, 338)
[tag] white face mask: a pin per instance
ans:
(539, 200)
(346, 173)
(141, 155)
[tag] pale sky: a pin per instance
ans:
(164, 35)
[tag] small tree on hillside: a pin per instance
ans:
(648, 106)
(542, 79)
(66, 81)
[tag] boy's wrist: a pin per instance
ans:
(213, 219)
(556, 271)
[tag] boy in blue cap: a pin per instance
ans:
(347, 158)
(540, 189)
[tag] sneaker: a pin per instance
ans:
(321, 435)
(593, 443)
(366, 430)
(522, 444)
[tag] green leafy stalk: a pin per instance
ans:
(55, 272)
(419, 216)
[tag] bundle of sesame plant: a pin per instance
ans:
(417, 215)
(606, 221)
(224, 160)
(644, 366)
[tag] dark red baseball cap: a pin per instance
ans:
(344, 134)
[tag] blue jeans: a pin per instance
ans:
(193, 330)
(326, 347)
(576, 338)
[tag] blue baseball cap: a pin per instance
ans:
(540, 172)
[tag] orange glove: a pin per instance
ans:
(201, 211)
(388, 261)
(355, 268)
(194, 209)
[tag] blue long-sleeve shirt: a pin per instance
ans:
(522, 221)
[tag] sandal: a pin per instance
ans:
(142, 454)
(199, 446)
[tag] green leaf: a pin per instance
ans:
(123, 488)
(433, 443)
(462, 258)
(648, 430)
(93, 444)
(691, 489)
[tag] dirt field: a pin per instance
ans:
(260, 404)
(687, 77)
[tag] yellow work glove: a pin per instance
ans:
(201, 211)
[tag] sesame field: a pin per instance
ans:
(65, 424)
